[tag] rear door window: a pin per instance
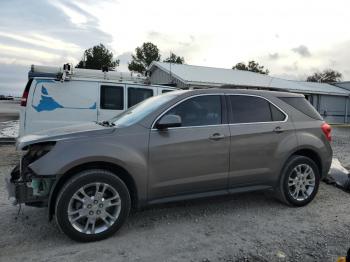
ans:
(112, 97)
(136, 95)
(252, 109)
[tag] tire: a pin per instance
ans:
(97, 211)
(296, 189)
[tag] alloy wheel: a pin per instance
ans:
(301, 182)
(94, 208)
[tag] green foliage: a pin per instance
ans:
(97, 57)
(174, 59)
(327, 76)
(143, 57)
(252, 66)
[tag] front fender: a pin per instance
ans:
(131, 154)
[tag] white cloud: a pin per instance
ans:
(43, 41)
(27, 53)
(220, 33)
(75, 17)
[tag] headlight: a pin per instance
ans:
(37, 151)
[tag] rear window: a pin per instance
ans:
(136, 95)
(302, 105)
(112, 97)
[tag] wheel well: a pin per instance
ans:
(312, 155)
(117, 170)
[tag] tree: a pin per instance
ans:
(252, 66)
(143, 57)
(98, 57)
(327, 76)
(174, 59)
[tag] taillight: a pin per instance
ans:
(24, 98)
(26, 92)
(327, 129)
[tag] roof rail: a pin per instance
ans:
(67, 72)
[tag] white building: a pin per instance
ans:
(332, 102)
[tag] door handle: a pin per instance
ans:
(216, 136)
(278, 129)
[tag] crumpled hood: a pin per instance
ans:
(64, 133)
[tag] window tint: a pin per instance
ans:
(199, 111)
(112, 97)
(302, 105)
(136, 95)
(249, 109)
(277, 115)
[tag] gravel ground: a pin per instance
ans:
(244, 227)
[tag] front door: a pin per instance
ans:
(192, 158)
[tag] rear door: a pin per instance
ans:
(112, 100)
(259, 132)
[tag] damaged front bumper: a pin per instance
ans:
(27, 188)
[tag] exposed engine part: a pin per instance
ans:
(41, 186)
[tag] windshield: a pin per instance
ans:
(139, 111)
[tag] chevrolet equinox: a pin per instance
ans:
(176, 146)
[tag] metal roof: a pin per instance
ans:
(345, 85)
(211, 76)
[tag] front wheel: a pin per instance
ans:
(93, 205)
(299, 181)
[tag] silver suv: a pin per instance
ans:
(177, 146)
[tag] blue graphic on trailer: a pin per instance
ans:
(48, 103)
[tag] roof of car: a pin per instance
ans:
(245, 91)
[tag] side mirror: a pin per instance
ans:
(169, 121)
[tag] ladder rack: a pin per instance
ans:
(64, 74)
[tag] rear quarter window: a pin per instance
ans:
(303, 106)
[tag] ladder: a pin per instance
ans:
(67, 72)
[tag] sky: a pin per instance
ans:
(292, 38)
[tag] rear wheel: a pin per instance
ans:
(299, 181)
(93, 205)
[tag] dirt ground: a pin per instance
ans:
(243, 227)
